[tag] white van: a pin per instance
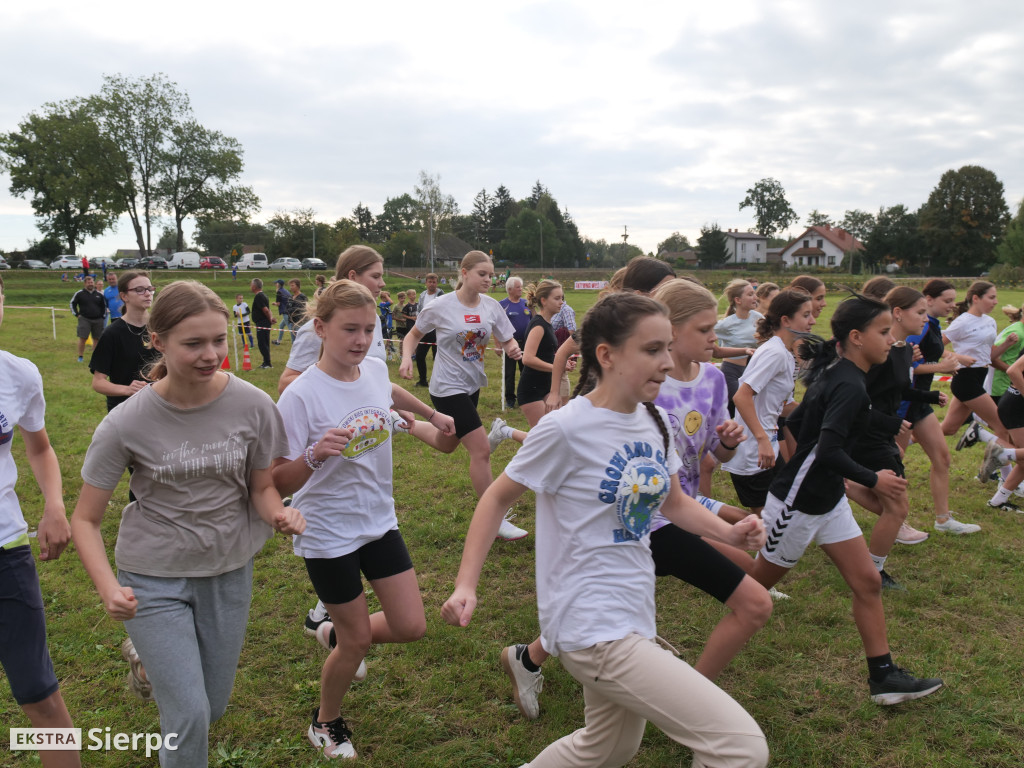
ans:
(183, 260)
(253, 261)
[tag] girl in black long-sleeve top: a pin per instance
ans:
(807, 501)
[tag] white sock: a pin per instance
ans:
(985, 436)
(878, 560)
(1004, 471)
(507, 432)
(1002, 494)
(319, 613)
(1009, 454)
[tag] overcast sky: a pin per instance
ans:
(653, 115)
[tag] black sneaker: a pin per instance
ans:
(421, 383)
(888, 582)
(310, 625)
(1006, 506)
(334, 739)
(969, 437)
(899, 686)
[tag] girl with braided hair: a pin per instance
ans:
(596, 497)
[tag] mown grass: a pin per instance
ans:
(444, 702)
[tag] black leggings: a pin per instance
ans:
(689, 558)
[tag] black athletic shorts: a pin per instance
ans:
(688, 557)
(752, 490)
(969, 383)
(1011, 409)
(918, 412)
(462, 408)
(879, 457)
(336, 580)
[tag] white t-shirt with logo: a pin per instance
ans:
(306, 347)
(21, 404)
(463, 334)
(349, 502)
(973, 335)
(771, 374)
(599, 476)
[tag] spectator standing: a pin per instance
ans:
(89, 306)
(241, 314)
(429, 341)
(113, 297)
(281, 300)
(297, 301)
(519, 315)
(564, 326)
(85, 267)
(264, 320)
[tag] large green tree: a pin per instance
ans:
(137, 115)
(398, 214)
(964, 219)
(712, 249)
(436, 209)
(858, 223)
(772, 211)
(674, 243)
(818, 219)
(1011, 248)
(895, 239)
(199, 168)
(59, 157)
(219, 237)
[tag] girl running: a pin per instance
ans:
(765, 293)
(939, 296)
(337, 416)
(545, 301)
(465, 320)
(815, 288)
(201, 442)
(597, 494)
(737, 333)
(765, 392)
(972, 333)
(807, 502)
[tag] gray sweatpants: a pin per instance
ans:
(188, 633)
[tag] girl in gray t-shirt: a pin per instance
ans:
(201, 443)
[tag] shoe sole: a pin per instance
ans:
(888, 699)
(507, 666)
(910, 543)
(499, 537)
(959, 533)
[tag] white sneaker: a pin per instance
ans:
(496, 437)
(510, 532)
(777, 596)
(333, 739)
(956, 527)
(909, 535)
(398, 424)
(526, 685)
(328, 639)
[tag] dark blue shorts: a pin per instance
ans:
(336, 580)
(23, 651)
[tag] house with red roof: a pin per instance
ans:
(820, 247)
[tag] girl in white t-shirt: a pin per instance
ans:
(338, 418)
(465, 321)
(972, 335)
(596, 496)
(201, 443)
(737, 333)
(766, 392)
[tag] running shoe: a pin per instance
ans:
(526, 685)
(969, 437)
(909, 535)
(398, 424)
(333, 739)
(510, 532)
(776, 595)
(496, 436)
(888, 582)
(993, 461)
(138, 683)
(1006, 506)
(312, 623)
(899, 685)
(954, 526)
(328, 639)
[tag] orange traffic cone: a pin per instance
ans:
(246, 362)
(226, 365)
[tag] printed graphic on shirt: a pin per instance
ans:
(636, 482)
(189, 461)
(6, 430)
(473, 343)
(370, 425)
(692, 423)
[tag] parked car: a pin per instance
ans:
(313, 264)
(152, 262)
(33, 264)
(253, 261)
(127, 262)
(184, 260)
(286, 263)
(66, 262)
(213, 262)
(4, 264)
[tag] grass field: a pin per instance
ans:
(443, 702)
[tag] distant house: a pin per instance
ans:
(688, 257)
(746, 247)
(820, 247)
